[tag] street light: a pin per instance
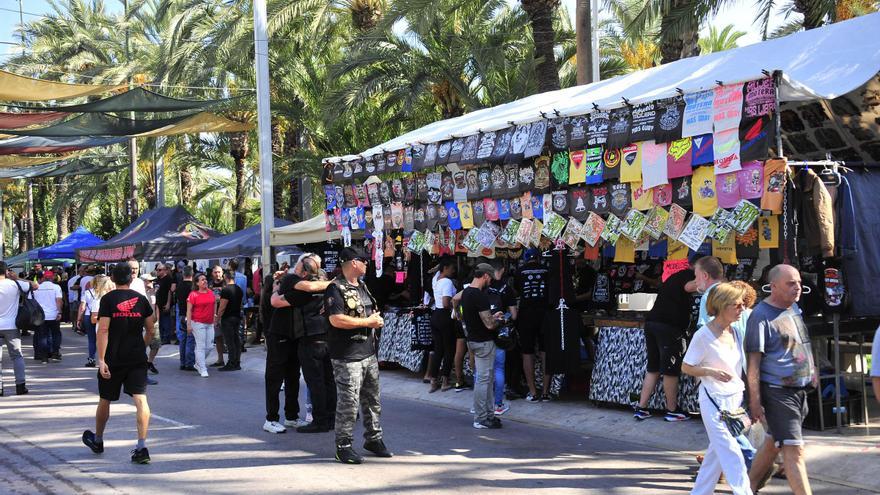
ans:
(264, 130)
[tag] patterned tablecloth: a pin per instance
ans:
(395, 343)
(621, 360)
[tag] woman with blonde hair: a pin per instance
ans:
(88, 312)
(715, 356)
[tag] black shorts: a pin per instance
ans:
(665, 346)
(459, 330)
(529, 322)
(785, 410)
(131, 379)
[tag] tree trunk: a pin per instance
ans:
(239, 148)
(813, 15)
(30, 214)
(61, 212)
(584, 34)
(72, 218)
(541, 16)
(677, 48)
(279, 146)
(21, 225)
(186, 184)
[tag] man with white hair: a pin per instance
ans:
(780, 371)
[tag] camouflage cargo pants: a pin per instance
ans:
(357, 384)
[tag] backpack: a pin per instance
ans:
(30, 313)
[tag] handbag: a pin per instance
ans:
(30, 314)
(736, 421)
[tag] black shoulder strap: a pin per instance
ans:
(711, 399)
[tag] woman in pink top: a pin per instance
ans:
(200, 310)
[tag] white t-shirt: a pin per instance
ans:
(706, 350)
(47, 294)
(9, 295)
(442, 288)
(138, 286)
(72, 295)
(875, 355)
(85, 281)
(90, 302)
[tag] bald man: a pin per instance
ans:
(780, 371)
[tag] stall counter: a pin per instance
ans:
(403, 338)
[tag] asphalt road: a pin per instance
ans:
(206, 437)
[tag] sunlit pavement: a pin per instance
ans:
(206, 437)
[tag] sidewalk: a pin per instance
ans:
(850, 459)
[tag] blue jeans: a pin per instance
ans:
(89, 328)
(186, 343)
(47, 339)
(166, 325)
(747, 449)
(499, 376)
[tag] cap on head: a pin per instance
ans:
(48, 275)
(483, 269)
(352, 253)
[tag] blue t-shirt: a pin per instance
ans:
(781, 335)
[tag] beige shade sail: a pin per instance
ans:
(14, 87)
(198, 123)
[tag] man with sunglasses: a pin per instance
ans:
(354, 317)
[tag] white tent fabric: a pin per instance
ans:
(820, 63)
(305, 232)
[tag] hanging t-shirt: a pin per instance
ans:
(768, 232)
(526, 177)
(702, 148)
(725, 147)
(619, 128)
(466, 215)
(663, 195)
(537, 137)
(681, 192)
(511, 180)
(728, 189)
(774, 184)
(751, 180)
(705, 201)
(755, 137)
(490, 209)
(430, 156)
(486, 145)
(669, 119)
(600, 199)
(502, 145)
(611, 159)
(469, 152)
(453, 216)
(542, 175)
(642, 197)
(697, 113)
(525, 202)
(597, 129)
(631, 165)
(621, 200)
(460, 186)
(654, 164)
(594, 166)
(725, 251)
(577, 167)
(747, 244)
(558, 135)
(560, 202)
(644, 116)
(578, 202)
(444, 148)
(559, 168)
(727, 107)
(503, 209)
(515, 208)
(678, 158)
(577, 132)
(517, 149)
(538, 206)
(479, 209)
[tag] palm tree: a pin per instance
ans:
(718, 41)
(365, 14)
(541, 15)
(679, 23)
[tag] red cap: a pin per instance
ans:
(48, 274)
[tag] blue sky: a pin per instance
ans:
(740, 14)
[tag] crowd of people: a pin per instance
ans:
(753, 361)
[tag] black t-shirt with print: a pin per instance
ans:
(127, 310)
(355, 344)
(311, 304)
(474, 301)
(184, 287)
(163, 291)
(232, 294)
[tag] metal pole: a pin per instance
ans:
(30, 214)
(264, 130)
(160, 172)
(132, 143)
(594, 30)
(838, 411)
(2, 226)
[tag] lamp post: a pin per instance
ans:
(264, 130)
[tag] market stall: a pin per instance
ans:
(159, 234)
(66, 248)
(240, 244)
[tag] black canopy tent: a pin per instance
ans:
(157, 235)
(245, 242)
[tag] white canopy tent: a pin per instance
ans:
(305, 232)
(818, 64)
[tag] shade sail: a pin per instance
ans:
(57, 168)
(820, 63)
(305, 232)
(29, 161)
(245, 242)
(66, 248)
(19, 120)
(14, 87)
(201, 122)
(137, 100)
(98, 124)
(157, 235)
(28, 144)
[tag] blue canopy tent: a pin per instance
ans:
(29, 258)
(66, 248)
(243, 243)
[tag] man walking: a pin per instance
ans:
(354, 317)
(216, 284)
(229, 318)
(163, 284)
(780, 371)
(47, 339)
(479, 327)
(73, 296)
(186, 341)
(10, 290)
(123, 317)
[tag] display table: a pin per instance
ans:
(621, 360)
(396, 341)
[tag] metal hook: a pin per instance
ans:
(719, 83)
(679, 91)
(595, 106)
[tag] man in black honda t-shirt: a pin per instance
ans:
(229, 313)
(122, 359)
(480, 326)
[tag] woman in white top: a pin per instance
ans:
(88, 311)
(715, 356)
(442, 326)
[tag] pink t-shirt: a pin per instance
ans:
(751, 180)
(202, 306)
(727, 188)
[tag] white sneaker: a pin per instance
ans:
(309, 418)
(296, 423)
(203, 373)
(503, 408)
(472, 411)
(273, 427)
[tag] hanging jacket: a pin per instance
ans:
(817, 214)
(847, 235)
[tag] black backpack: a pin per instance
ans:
(30, 313)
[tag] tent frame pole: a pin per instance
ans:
(264, 131)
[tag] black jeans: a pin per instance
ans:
(317, 370)
(443, 333)
(229, 329)
(282, 366)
